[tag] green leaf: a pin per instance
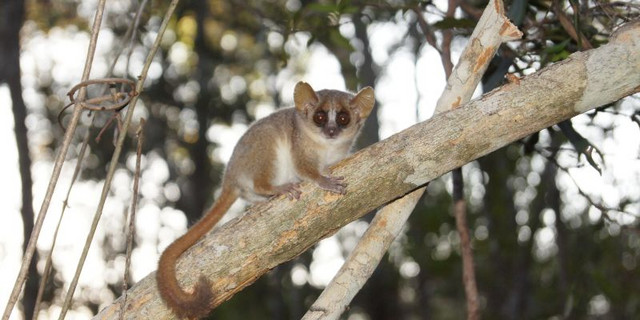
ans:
(336, 37)
(323, 8)
(342, 4)
(559, 56)
(557, 48)
(350, 10)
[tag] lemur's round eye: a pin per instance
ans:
(320, 118)
(343, 119)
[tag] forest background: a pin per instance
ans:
(553, 217)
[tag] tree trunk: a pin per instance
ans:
(11, 18)
(368, 76)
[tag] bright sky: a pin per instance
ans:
(395, 91)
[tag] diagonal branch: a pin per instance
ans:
(389, 221)
(238, 253)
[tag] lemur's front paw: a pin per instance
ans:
(333, 184)
(291, 190)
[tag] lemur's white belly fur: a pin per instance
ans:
(285, 171)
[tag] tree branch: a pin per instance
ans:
(273, 232)
(388, 223)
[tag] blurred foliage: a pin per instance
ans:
(222, 61)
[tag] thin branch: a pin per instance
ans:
(459, 203)
(131, 35)
(48, 264)
(133, 32)
(116, 154)
(31, 246)
(447, 37)
(364, 259)
(596, 204)
(118, 100)
(492, 29)
(569, 27)
(132, 218)
(114, 97)
(429, 35)
(468, 273)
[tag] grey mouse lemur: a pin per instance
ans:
(272, 158)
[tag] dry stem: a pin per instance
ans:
(31, 246)
(132, 218)
(116, 155)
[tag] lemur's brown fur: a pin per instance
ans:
(272, 158)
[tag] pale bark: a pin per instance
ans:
(492, 30)
(238, 253)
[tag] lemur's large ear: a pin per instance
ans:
(304, 97)
(363, 102)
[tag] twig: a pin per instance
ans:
(114, 117)
(31, 246)
(119, 99)
(114, 97)
(604, 209)
(468, 273)
(116, 154)
(132, 218)
(48, 264)
(568, 26)
(459, 203)
(429, 35)
(133, 32)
